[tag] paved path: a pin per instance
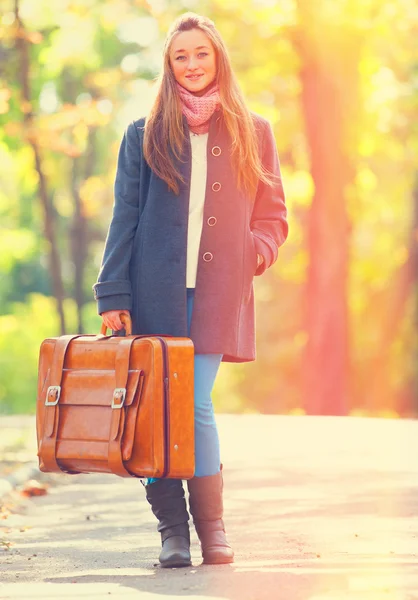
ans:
(18, 460)
(316, 508)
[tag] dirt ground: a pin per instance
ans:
(316, 508)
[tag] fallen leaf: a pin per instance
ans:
(34, 488)
(5, 545)
(4, 512)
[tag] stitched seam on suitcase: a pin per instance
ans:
(166, 411)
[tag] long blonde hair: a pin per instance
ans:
(164, 124)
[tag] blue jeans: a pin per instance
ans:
(207, 452)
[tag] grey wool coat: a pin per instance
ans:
(144, 262)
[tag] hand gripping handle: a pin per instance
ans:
(126, 320)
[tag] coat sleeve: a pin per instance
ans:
(113, 287)
(269, 216)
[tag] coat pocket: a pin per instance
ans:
(253, 254)
(250, 265)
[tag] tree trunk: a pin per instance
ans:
(414, 383)
(80, 227)
(78, 248)
(392, 307)
(325, 76)
(82, 169)
(49, 229)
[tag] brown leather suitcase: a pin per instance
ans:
(112, 404)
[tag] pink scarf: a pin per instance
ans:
(199, 109)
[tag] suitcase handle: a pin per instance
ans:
(126, 320)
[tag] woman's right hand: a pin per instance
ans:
(111, 318)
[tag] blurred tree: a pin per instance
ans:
(75, 69)
(336, 314)
(329, 95)
(327, 295)
(22, 40)
(403, 289)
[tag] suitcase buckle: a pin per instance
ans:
(118, 394)
(53, 389)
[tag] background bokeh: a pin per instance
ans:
(338, 80)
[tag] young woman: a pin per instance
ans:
(199, 211)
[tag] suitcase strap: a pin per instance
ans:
(51, 416)
(117, 424)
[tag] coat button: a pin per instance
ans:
(216, 151)
(207, 257)
(216, 186)
(212, 221)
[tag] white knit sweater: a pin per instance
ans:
(196, 205)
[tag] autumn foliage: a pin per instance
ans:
(337, 313)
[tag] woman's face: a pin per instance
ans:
(193, 60)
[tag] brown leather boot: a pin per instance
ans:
(206, 508)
